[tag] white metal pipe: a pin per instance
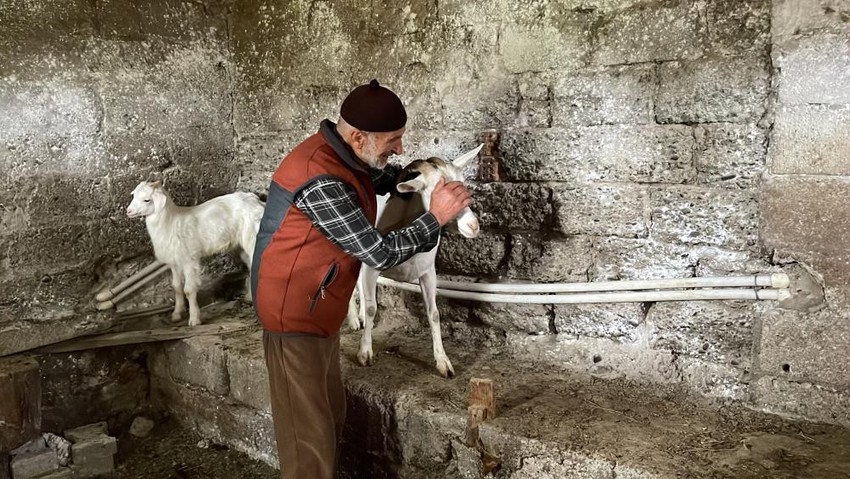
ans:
(604, 297)
(112, 302)
(108, 293)
(776, 280)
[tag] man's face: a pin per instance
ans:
(377, 147)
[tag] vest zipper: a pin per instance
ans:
(330, 276)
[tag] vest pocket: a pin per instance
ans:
(329, 278)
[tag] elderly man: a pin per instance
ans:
(317, 229)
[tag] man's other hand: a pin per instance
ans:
(448, 200)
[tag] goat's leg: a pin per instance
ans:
(177, 284)
(190, 288)
(246, 258)
(368, 309)
(428, 285)
(351, 317)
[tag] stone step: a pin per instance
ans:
(404, 420)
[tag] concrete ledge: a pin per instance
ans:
(406, 421)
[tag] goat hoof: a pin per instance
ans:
(364, 358)
(446, 370)
(194, 322)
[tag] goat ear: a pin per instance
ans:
(155, 184)
(461, 161)
(411, 186)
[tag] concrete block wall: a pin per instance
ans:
(639, 140)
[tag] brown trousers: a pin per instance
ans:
(308, 403)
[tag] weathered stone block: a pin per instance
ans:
(601, 210)
(619, 258)
(66, 242)
(812, 401)
(811, 139)
(807, 219)
(551, 260)
(50, 125)
(540, 154)
(732, 27)
(263, 153)
(714, 379)
(191, 83)
(244, 429)
(93, 450)
(814, 69)
(481, 103)
(605, 96)
(481, 256)
(720, 332)
(715, 90)
(511, 205)
(86, 433)
(543, 46)
(448, 145)
(30, 22)
(729, 155)
(34, 464)
(794, 17)
(199, 361)
(650, 33)
(48, 109)
(643, 154)
(249, 382)
(807, 347)
(529, 318)
(43, 200)
(121, 19)
(711, 216)
(618, 322)
(20, 404)
(535, 113)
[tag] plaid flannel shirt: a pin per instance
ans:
(334, 209)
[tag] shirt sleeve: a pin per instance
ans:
(334, 209)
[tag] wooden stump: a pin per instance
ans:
(482, 406)
(20, 403)
(481, 394)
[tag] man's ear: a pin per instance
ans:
(411, 186)
(358, 138)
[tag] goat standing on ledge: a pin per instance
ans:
(182, 236)
(421, 177)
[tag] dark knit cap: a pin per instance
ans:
(373, 108)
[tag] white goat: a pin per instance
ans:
(182, 236)
(398, 212)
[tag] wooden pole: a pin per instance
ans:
(20, 401)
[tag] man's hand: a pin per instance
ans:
(448, 200)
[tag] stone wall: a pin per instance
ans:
(94, 97)
(640, 139)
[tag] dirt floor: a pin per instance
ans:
(174, 452)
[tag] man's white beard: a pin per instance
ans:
(371, 155)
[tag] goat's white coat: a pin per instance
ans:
(419, 268)
(182, 236)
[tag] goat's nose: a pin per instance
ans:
(472, 229)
